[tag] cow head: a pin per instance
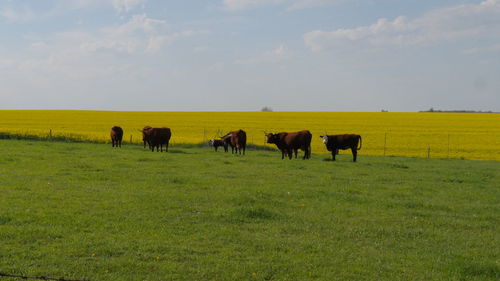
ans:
(325, 139)
(211, 142)
(272, 138)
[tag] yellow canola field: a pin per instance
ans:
(440, 135)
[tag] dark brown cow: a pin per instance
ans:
(159, 137)
(335, 142)
(116, 136)
(146, 135)
(237, 140)
(216, 143)
(292, 142)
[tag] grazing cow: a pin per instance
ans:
(216, 143)
(116, 136)
(237, 140)
(146, 135)
(335, 142)
(159, 137)
(291, 142)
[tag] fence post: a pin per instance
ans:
(130, 138)
(428, 152)
(448, 146)
(204, 135)
(385, 141)
(50, 134)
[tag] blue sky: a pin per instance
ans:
(211, 55)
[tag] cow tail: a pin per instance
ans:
(359, 143)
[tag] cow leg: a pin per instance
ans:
(306, 154)
(354, 154)
(166, 147)
(290, 154)
(283, 154)
(333, 155)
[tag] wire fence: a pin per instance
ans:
(412, 144)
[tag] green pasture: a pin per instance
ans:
(88, 211)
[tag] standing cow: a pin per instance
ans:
(146, 135)
(288, 143)
(335, 142)
(159, 137)
(116, 136)
(237, 140)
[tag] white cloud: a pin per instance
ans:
(93, 54)
(279, 54)
(157, 42)
(304, 4)
(23, 14)
(491, 49)
(447, 24)
(234, 5)
(121, 6)
(131, 37)
(245, 4)
(126, 5)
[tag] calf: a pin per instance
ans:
(335, 142)
(216, 143)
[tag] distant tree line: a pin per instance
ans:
(456, 111)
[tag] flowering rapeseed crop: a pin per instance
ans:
(467, 135)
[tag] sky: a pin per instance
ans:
(243, 55)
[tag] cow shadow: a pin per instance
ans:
(178, 151)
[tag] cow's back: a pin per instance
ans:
(162, 135)
(343, 141)
(239, 137)
(116, 132)
(296, 140)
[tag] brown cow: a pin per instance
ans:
(146, 135)
(216, 143)
(159, 137)
(238, 141)
(116, 136)
(335, 142)
(292, 142)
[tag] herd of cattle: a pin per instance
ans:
(287, 143)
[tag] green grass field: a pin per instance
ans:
(87, 211)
